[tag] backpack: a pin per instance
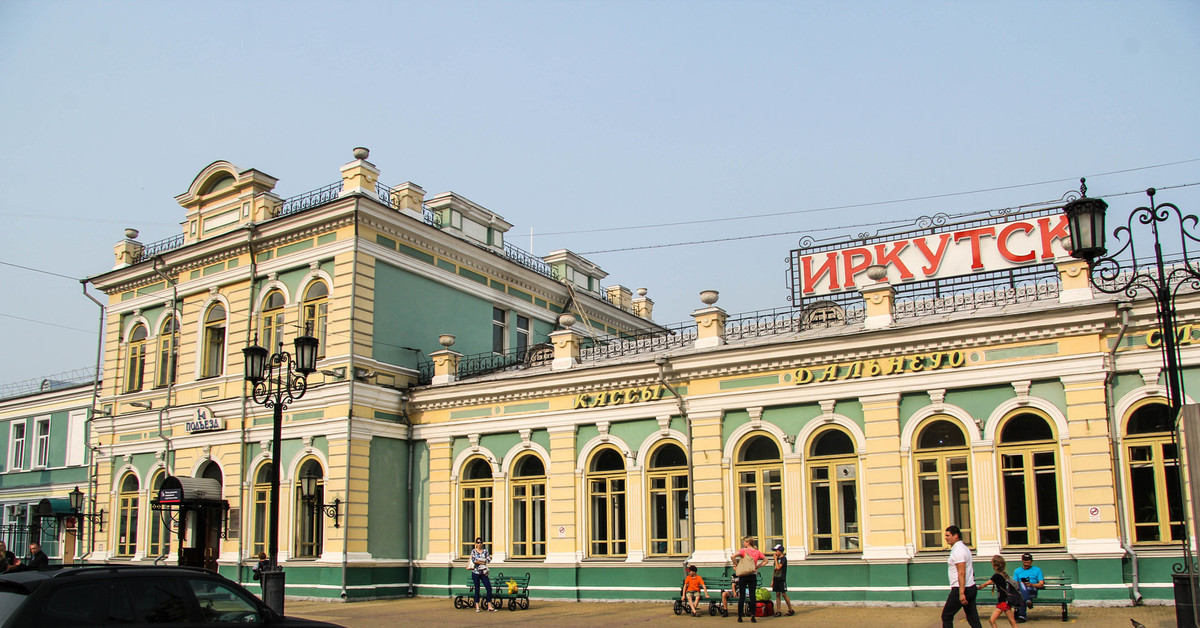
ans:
(1013, 595)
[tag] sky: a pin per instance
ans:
(682, 146)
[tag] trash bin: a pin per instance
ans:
(273, 586)
(1185, 608)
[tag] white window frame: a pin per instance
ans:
(41, 445)
(16, 447)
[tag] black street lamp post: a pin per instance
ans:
(278, 380)
(1107, 274)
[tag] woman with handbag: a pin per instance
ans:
(746, 562)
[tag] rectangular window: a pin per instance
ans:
(214, 351)
(16, 451)
(522, 333)
(42, 442)
(499, 325)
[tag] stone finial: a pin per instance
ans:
(445, 365)
(643, 307)
(359, 177)
(710, 321)
(566, 348)
(361, 152)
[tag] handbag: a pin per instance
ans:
(745, 565)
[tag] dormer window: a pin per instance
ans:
(222, 182)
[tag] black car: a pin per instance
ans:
(109, 595)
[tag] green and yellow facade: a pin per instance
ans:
(624, 448)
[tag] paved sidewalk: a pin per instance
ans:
(441, 612)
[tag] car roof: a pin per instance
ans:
(29, 580)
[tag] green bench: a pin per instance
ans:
(517, 599)
(1058, 591)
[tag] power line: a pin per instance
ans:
(868, 204)
(30, 320)
(818, 230)
(38, 270)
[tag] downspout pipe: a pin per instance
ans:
(247, 474)
(1110, 377)
(662, 363)
(412, 557)
(87, 424)
(175, 366)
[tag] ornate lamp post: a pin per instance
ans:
(1107, 274)
(308, 495)
(278, 380)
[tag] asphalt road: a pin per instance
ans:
(441, 612)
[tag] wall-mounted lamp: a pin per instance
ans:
(308, 495)
(142, 404)
(363, 375)
(76, 500)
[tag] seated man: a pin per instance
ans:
(1030, 579)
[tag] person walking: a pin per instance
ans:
(962, 581)
(779, 582)
(1008, 596)
(746, 562)
(479, 573)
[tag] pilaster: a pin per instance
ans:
(563, 544)
(1090, 508)
(441, 490)
(883, 526)
(708, 492)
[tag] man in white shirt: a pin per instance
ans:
(962, 581)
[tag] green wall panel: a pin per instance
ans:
(980, 402)
(388, 507)
(1052, 391)
(411, 311)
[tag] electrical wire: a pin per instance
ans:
(38, 270)
(31, 320)
(822, 229)
(872, 203)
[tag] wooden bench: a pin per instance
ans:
(1057, 591)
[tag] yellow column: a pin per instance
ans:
(566, 348)
(708, 491)
(1090, 518)
(563, 542)
(880, 301)
(883, 532)
(1073, 274)
(440, 492)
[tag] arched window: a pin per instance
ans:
(272, 320)
(168, 349)
(316, 307)
(127, 516)
(606, 503)
(135, 358)
(262, 508)
(1152, 471)
(1029, 490)
(475, 500)
(943, 482)
(668, 490)
(221, 182)
(310, 529)
(529, 507)
(213, 355)
(759, 473)
(833, 489)
(160, 533)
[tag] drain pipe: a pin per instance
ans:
(412, 560)
(170, 382)
(250, 229)
(1110, 376)
(662, 363)
(93, 464)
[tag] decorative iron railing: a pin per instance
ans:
(58, 381)
(481, 364)
(528, 260)
(158, 248)
(791, 320)
(973, 292)
(310, 199)
(671, 337)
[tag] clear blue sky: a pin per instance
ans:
(568, 118)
